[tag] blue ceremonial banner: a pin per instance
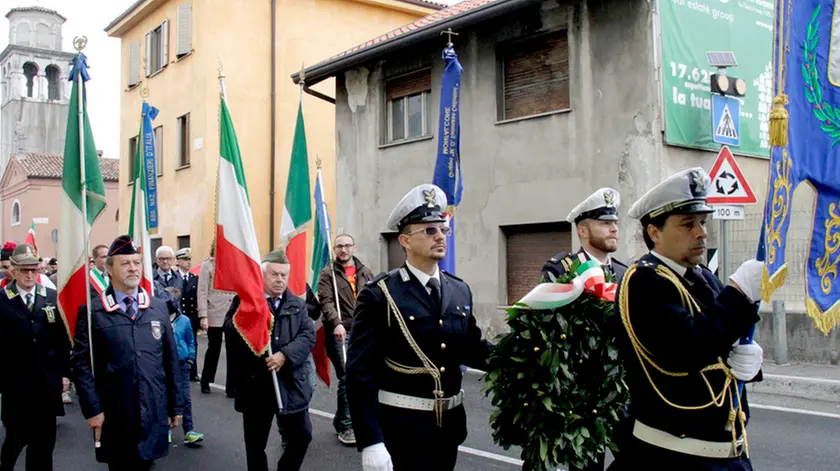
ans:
(149, 162)
(448, 166)
(806, 50)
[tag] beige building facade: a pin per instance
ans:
(173, 49)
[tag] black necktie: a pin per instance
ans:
(434, 290)
(129, 307)
(700, 283)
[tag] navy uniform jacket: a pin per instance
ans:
(134, 380)
(558, 265)
(680, 342)
(449, 337)
(294, 335)
(35, 353)
(189, 299)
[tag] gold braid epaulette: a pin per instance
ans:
(644, 355)
(427, 368)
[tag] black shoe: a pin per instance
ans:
(205, 388)
(230, 394)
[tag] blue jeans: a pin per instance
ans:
(185, 388)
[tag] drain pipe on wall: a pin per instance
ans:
(273, 75)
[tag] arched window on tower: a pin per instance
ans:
(43, 36)
(53, 74)
(30, 70)
(23, 34)
(16, 213)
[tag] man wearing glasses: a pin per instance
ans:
(339, 284)
(412, 329)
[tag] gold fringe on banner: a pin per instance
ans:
(825, 321)
(779, 121)
(770, 284)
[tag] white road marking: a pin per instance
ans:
(795, 411)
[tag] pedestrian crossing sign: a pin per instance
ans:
(726, 120)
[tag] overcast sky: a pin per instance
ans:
(89, 18)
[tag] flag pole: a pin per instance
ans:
(79, 43)
(332, 257)
(274, 381)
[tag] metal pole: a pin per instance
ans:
(80, 85)
(780, 333)
(723, 268)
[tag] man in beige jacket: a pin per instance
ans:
(212, 307)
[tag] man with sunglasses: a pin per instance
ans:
(596, 224)
(339, 284)
(412, 329)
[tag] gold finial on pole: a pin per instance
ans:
(449, 33)
(79, 43)
(317, 161)
(144, 91)
(221, 70)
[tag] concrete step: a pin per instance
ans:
(804, 387)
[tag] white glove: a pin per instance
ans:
(748, 279)
(745, 361)
(376, 458)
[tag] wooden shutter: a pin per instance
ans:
(184, 45)
(164, 43)
(133, 63)
(148, 59)
(536, 76)
(528, 248)
(410, 84)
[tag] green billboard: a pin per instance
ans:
(689, 29)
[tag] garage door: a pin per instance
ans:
(527, 249)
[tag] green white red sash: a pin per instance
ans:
(97, 279)
(589, 278)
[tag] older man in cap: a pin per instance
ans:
(129, 391)
(596, 223)
(412, 329)
(681, 337)
(35, 349)
(189, 298)
(292, 339)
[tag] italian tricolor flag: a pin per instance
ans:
(237, 252)
(297, 210)
(30, 237)
(138, 222)
(74, 228)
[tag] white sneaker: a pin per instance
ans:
(65, 398)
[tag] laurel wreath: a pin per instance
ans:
(828, 115)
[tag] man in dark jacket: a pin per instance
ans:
(130, 395)
(189, 298)
(339, 284)
(292, 340)
(35, 350)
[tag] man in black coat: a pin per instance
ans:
(189, 298)
(680, 336)
(130, 395)
(35, 352)
(413, 328)
(292, 339)
(596, 223)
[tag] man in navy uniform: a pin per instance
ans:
(189, 298)
(680, 341)
(412, 329)
(35, 349)
(130, 395)
(596, 223)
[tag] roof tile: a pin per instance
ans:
(38, 165)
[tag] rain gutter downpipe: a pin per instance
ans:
(272, 155)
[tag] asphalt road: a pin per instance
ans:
(779, 440)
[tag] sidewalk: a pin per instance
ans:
(802, 380)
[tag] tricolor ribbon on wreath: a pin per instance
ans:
(589, 278)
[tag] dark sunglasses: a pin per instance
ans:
(432, 231)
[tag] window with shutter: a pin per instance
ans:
(132, 159)
(157, 48)
(147, 60)
(534, 76)
(183, 140)
(184, 45)
(407, 103)
(164, 43)
(527, 247)
(133, 63)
